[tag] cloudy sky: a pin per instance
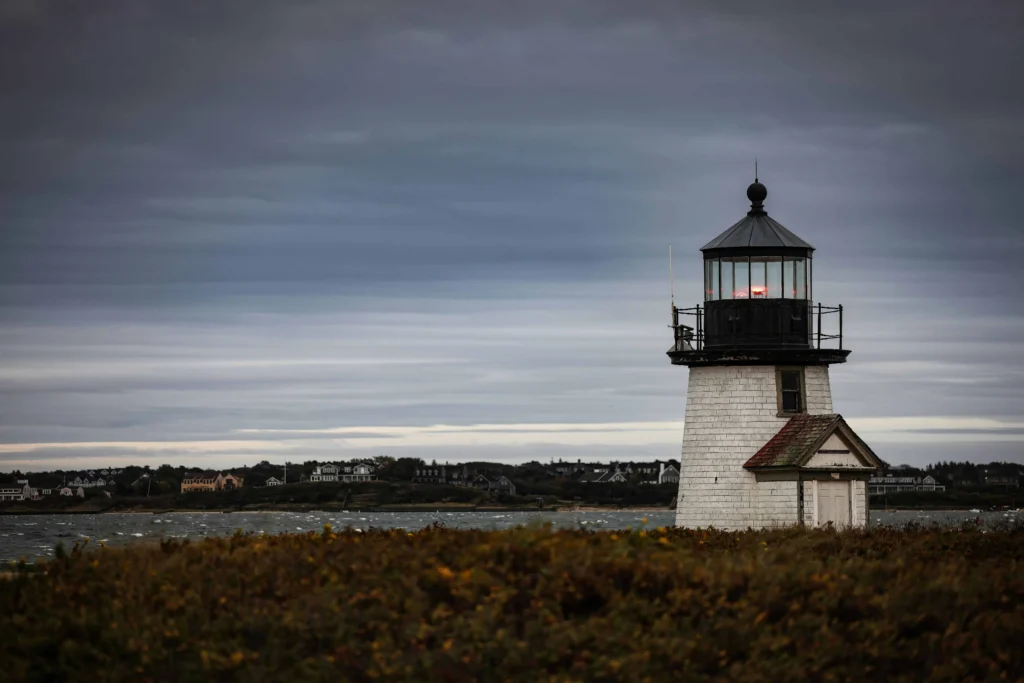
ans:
(244, 230)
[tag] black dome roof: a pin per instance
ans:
(757, 233)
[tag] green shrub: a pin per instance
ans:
(528, 604)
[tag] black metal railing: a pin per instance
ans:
(821, 336)
(688, 337)
(822, 328)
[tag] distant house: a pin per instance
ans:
(568, 469)
(592, 477)
(1002, 481)
(210, 481)
(657, 472)
(646, 472)
(893, 484)
(457, 476)
(504, 485)
(18, 491)
(500, 484)
(325, 473)
(668, 473)
(429, 475)
(359, 472)
(273, 481)
(200, 481)
(68, 491)
(613, 474)
(230, 481)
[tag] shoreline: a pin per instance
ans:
(387, 509)
(428, 509)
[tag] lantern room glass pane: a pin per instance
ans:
(716, 290)
(741, 279)
(727, 279)
(800, 281)
(773, 278)
(794, 278)
(758, 283)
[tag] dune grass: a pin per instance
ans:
(529, 604)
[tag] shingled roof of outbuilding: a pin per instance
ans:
(795, 441)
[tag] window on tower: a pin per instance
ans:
(790, 385)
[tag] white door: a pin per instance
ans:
(834, 503)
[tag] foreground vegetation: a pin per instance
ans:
(528, 604)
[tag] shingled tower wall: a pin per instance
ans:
(731, 412)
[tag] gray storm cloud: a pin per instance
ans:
(224, 216)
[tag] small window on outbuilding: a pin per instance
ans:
(790, 385)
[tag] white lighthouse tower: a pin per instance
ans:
(762, 446)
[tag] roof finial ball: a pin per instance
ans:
(756, 193)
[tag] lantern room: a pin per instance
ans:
(757, 290)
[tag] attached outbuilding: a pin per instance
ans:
(815, 471)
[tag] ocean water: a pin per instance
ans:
(36, 536)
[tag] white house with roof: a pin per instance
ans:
(358, 472)
(273, 481)
(668, 473)
(18, 491)
(893, 484)
(328, 472)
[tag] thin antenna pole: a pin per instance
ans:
(755, 169)
(671, 280)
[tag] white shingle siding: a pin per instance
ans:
(730, 413)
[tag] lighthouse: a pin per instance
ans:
(762, 444)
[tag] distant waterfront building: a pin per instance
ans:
(273, 481)
(347, 473)
(1002, 481)
(500, 484)
(359, 472)
(893, 484)
(230, 481)
(210, 481)
(18, 491)
(200, 481)
(762, 446)
(430, 475)
(325, 473)
(668, 473)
